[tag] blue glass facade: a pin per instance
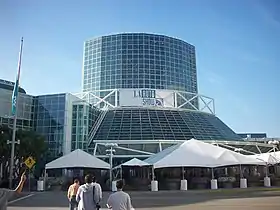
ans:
(50, 121)
(139, 60)
(25, 106)
(83, 118)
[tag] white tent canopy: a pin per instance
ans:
(270, 158)
(276, 155)
(78, 159)
(194, 153)
(135, 162)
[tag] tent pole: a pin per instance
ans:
(153, 173)
(266, 171)
(183, 173)
(212, 172)
(241, 174)
(45, 179)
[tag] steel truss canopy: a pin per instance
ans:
(113, 98)
(147, 148)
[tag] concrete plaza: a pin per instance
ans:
(248, 199)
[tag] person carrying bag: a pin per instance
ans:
(89, 195)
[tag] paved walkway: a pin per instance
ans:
(172, 200)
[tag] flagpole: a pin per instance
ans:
(13, 142)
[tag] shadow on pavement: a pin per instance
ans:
(151, 199)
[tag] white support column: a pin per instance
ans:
(267, 182)
(184, 182)
(175, 100)
(154, 183)
(160, 146)
(116, 98)
(243, 183)
(214, 182)
(95, 149)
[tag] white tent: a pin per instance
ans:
(270, 158)
(78, 159)
(135, 162)
(276, 155)
(194, 153)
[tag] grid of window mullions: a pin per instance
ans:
(180, 135)
(156, 126)
(223, 129)
(168, 134)
(122, 51)
(115, 125)
(141, 124)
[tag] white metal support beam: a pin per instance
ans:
(130, 149)
(95, 149)
(227, 144)
(160, 146)
(207, 105)
(187, 101)
(104, 99)
(89, 96)
(258, 149)
(232, 148)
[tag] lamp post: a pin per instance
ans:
(110, 152)
(275, 144)
(13, 142)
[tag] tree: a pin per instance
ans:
(5, 134)
(31, 144)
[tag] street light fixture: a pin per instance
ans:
(275, 144)
(110, 152)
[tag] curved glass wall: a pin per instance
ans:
(139, 60)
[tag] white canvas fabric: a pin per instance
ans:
(270, 158)
(78, 159)
(135, 162)
(276, 155)
(194, 153)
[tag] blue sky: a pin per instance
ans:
(237, 44)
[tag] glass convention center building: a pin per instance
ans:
(139, 95)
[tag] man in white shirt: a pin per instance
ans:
(119, 200)
(89, 194)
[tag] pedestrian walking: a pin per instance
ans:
(6, 194)
(89, 195)
(72, 192)
(98, 194)
(119, 200)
